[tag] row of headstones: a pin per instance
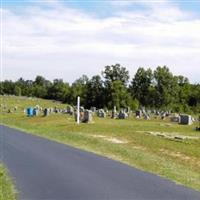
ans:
(181, 118)
(149, 113)
(86, 115)
(125, 113)
(122, 114)
(30, 111)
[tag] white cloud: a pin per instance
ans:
(66, 43)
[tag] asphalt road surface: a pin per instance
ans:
(46, 170)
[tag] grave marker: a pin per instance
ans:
(186, 119)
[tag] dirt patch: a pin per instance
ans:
(98, 136)
(181, 156)
(110, 139)
(115, 140)
(138, 147)
(176, 154)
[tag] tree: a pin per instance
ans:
(119, 95)
(8, 87)
(40, 87)
(39, 80)
(17, 91)
(95, 92)
(194, 96)
(166, 87)
(183, 93)
(116, 78)
(58, 90)
(116, 73)
(1, 88)
(79, 88)
(141, 87)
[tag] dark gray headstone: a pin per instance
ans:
(122, 115)
(138, 113)
(46, 112)
(186, 119)
(87, 116)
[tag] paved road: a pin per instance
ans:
(46, 170)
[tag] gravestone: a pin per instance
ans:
(186, 119)
(101, 113)
(114, 113)
(163, 115)
(29, 112)
(46, 112)
(138, 113)
(51, 110)
(70, 110)
(157, 112)
(82, 109)
(81, 117)
(122, 115)
(87, 116)
(147, 117)
(128, 110)
(56, 110)
(35, 112)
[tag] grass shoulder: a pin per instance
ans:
(7, 190)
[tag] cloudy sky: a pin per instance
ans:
(65, 39)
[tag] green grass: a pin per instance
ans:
(7, 191)
(176, 160)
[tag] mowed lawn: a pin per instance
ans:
(126, 140)
(7, 191)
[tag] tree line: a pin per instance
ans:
(158, 89)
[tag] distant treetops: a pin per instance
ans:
(153, 89)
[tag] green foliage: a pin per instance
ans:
(79, 88)
(58, 90)
(95, 92)
(17, 91)
(116, 73)
(152, 89)
(119, 95)
(141, 86)
(166, 87)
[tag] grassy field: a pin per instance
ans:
(130, 141)
(7, 191)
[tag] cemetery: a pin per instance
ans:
(141, 138)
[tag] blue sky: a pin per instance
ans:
(65, 39)
(103, 6)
